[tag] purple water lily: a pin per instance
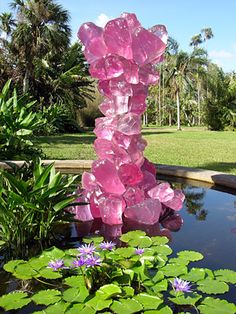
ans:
(92, 261)
(105, 245)
(79, 262)
(56, 264)
(139, 251)
(181, 285)
(87, 249)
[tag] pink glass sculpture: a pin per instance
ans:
(122, 57)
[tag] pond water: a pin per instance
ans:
(207, 224)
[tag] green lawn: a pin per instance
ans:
(193, 147)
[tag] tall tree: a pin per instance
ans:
(41, 27)
(196, 40)
(182, 72)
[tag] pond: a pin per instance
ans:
(207, 224)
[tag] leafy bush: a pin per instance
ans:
(17, 124)
(31, 202)
(59, 120)
(138, 278)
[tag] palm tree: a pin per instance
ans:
(207, 33)
(184, 67)
(65, 80)
(6, 23)
(196, 40)
(41, 28)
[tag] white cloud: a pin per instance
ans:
(220, 54)
(102, 20)
(234, 46)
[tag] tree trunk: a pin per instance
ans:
(199, 104)
(159, 99)
(178, 111)
(170, 119)
(163, 96)
(26, 81)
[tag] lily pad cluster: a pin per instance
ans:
(141, 276)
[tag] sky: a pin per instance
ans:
(183, 19)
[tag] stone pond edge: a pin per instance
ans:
(208, 176)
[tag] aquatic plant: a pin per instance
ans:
(118, 280)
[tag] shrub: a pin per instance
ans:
(17, 124)
(32, 202)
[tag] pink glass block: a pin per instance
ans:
(117, 38)
(134, 195)
(149, 166)
(163, 192)
(111, 208)
(129, 124)
(131, 20)
(88, 181)
(146, 212)
(107, 176)
(146, 46)
(176, 202)
(130, 174)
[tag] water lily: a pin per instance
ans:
(92, 261)
(87, 249)
(56, 264)
(79, 262)
(181, 285)
(107, 245)
(139, 251)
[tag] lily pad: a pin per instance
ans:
(14, 301)
(194, 275)
(75, 281)
(226, 275)
(127, 306)
(99, 304)
(191, 256)
(183, 299)
(10, 266)
(81, 309)
(53, 253)
(131, 235)
(216, 306)
(173, 270)
(158, 240)
(109, 291)
(75, 294)
(95, 239)
(141, 242)
(149, 302)
(212, 286)
(47, 297)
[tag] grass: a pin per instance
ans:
(192, 147)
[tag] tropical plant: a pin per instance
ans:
(17, 124)
(181, 74)
(138, 277)
(31, 205)
(49, 69)
(218, 98)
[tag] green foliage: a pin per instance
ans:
(220, 103)
(59, 120)
(122, 283)
(17, 124)
(30, 205)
